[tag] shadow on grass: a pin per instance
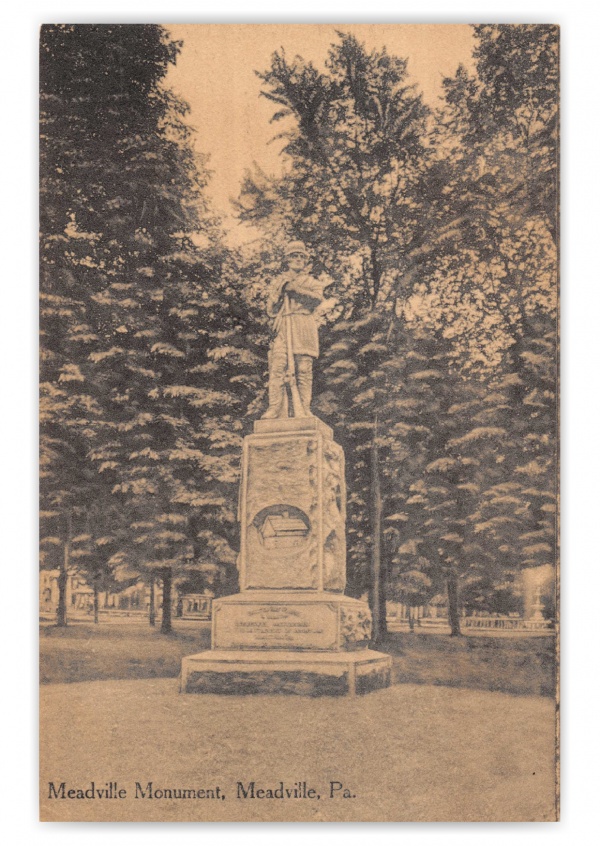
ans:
(133, 650)
(517, 665)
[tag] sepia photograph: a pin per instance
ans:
(299, 419)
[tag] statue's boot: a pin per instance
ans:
(278, 405)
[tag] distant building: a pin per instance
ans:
(80, 596)
(197, 605)
(433, 613)
(131, 599)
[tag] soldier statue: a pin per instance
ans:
(292, 300)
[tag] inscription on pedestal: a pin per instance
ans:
(276, 626)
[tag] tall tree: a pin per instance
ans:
(67, 417)
(508, 124)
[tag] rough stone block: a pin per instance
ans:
(292, 509)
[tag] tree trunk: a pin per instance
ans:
(376, 274)
(453, 610)
(167, 579)
(63, 576)
(411, 620)
(152, 608)
(377, 592)
(96, 602)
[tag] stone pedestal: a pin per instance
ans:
(290, 629)
(292, 507)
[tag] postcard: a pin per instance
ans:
(299, 422)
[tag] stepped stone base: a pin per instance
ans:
(239, 672)
(291, 629)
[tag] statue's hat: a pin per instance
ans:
(296, 247)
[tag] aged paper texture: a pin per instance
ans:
(299, 474)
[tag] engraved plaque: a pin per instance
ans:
(276, 626)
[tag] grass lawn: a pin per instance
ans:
(117, 650)
(410, 752)
(518, 665)
(132, 650)
(420, 750)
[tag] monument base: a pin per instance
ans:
(290, 620)
(240, 672)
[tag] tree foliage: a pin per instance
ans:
(438, 366)
(138, 305)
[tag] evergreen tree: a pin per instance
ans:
(506, 121)
(126, 225)
(92, 550)
(489, 289)
(67, 416)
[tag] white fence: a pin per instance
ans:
(506, 623)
